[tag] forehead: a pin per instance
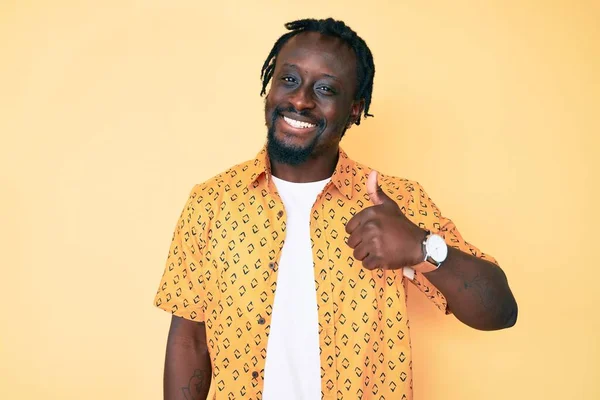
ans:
(317, 53)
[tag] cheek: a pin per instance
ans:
(269, 108)
(337, 118)
(274, 95)
(268, 101)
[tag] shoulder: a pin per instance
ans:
(206, 198)
(390, 184)
(234, 178)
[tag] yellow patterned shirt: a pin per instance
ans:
(222, 269)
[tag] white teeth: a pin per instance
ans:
(298, 124)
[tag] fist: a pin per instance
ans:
(381, 235)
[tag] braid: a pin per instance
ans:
(364, 59)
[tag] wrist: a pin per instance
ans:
(421, 264)
(419, 249)
(435, 250)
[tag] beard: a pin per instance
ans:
(286, 153)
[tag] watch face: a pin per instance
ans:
(437, 248)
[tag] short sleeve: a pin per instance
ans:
(429, 217)
(179, 291)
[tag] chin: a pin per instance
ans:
(283, 151)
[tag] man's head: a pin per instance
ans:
(321, 75)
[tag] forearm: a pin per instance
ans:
(476, 290)
(187, 365)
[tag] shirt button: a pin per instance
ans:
(261, 321)
(254, 374)
(272, 265)
(280, 214)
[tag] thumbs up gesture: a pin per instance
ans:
(381, 235)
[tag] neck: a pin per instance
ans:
(314, 169)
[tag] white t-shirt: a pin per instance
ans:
(293, 365)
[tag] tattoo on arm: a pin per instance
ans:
(480, 287)
(484, 292)
(195, 388)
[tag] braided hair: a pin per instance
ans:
(330, 27)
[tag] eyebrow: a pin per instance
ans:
(335, 78)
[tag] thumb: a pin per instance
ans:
(375, 193)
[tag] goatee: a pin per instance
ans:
(289, 154)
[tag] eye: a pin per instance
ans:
(326, 90)
(288, 79)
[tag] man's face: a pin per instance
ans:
(311, 100)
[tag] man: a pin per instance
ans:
(287, 274)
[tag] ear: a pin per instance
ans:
(355, 111)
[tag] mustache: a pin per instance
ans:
(279, 110)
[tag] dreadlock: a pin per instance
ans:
(330, 27)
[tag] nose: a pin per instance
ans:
(302, 99)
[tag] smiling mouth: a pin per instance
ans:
(298, 124)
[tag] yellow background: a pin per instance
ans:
(110, 111)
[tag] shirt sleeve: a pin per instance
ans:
(430, 218)
(179, 291)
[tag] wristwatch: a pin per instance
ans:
(435, 249)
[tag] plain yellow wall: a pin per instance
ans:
(110, 111)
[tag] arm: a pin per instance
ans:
(187, 363)
(476, 290)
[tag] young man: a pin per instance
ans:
(287, 274)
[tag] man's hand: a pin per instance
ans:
(381, 235)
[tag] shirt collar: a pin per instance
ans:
(343, 176)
